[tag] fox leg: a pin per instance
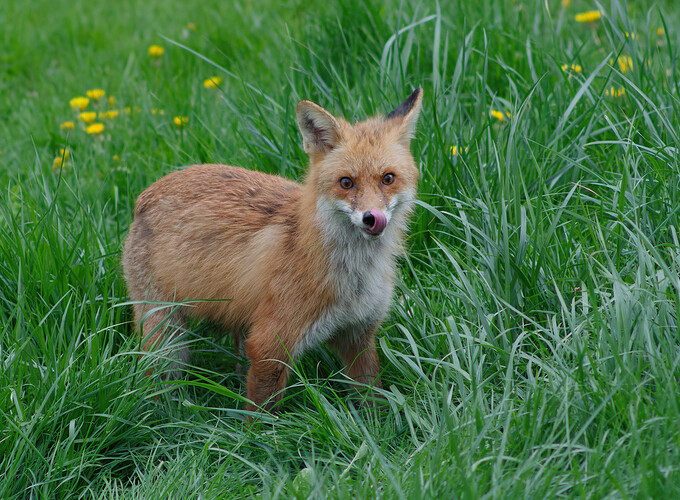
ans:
(239, 351)
(360, 356)
(157, 327)
(155, 324)
(270, 355)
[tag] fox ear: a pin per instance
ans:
(320, 130)
(406, 115)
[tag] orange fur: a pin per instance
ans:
(296, 262)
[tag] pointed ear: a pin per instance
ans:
(320, 130)
(406, 115)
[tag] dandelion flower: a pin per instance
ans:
(614, 92)
(88, 117)
(455, 150)
(576, 68)
(95, 128)
(191, 27)
(625, 63)
(213, 82)
(566, 3)
(127, 110)
(67, 126)
(95, 94)
(116, 158)
(156, 51)
(79, 103)
(109, 114)
(499, 115)
(180, 121)
(588, 17)
(59, 161)
(155, 111)
(112, 101)
(632, 36)
(660, 31)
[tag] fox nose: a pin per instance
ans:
(375, 222)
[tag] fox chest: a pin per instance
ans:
(363, 298)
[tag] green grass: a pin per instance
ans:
(533, 347)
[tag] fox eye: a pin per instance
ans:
(346, 183)
(388, 179)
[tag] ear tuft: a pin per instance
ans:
(320, 130)
(406, 115)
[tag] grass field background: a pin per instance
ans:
(533, 347)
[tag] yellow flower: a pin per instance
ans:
(127, 110)
(614, 92)
(155, 111)
(88, 117)
(625, 63)
(191, 26)
(456, 150)
(95, 128)
(660, 31)
(116, 158)
(499, 115)
(588, 17)
(79, 103)
(109, 115)
(180, 121)
(632, 36)
(213, 82)
(112, 101)
(67, 126)
(156, 51)
(95, 94)
(576, 68)
(566, 3)
(59, 161)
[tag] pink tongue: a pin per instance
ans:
(380, 221)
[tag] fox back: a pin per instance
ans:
(293, 265)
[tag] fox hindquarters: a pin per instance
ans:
(299, 264)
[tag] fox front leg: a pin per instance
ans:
(269, 350)
(266, 384)
(360, 357)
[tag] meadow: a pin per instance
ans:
(533, 348)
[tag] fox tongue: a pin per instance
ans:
(380, 221)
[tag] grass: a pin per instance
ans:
(533, 346)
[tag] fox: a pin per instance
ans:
(292, 265)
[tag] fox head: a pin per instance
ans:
(362, 176)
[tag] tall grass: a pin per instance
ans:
(533, 345)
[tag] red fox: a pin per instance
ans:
(298, 264)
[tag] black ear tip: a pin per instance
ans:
(406, 106)
(417, 94)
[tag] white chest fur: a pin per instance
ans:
(362, 274)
